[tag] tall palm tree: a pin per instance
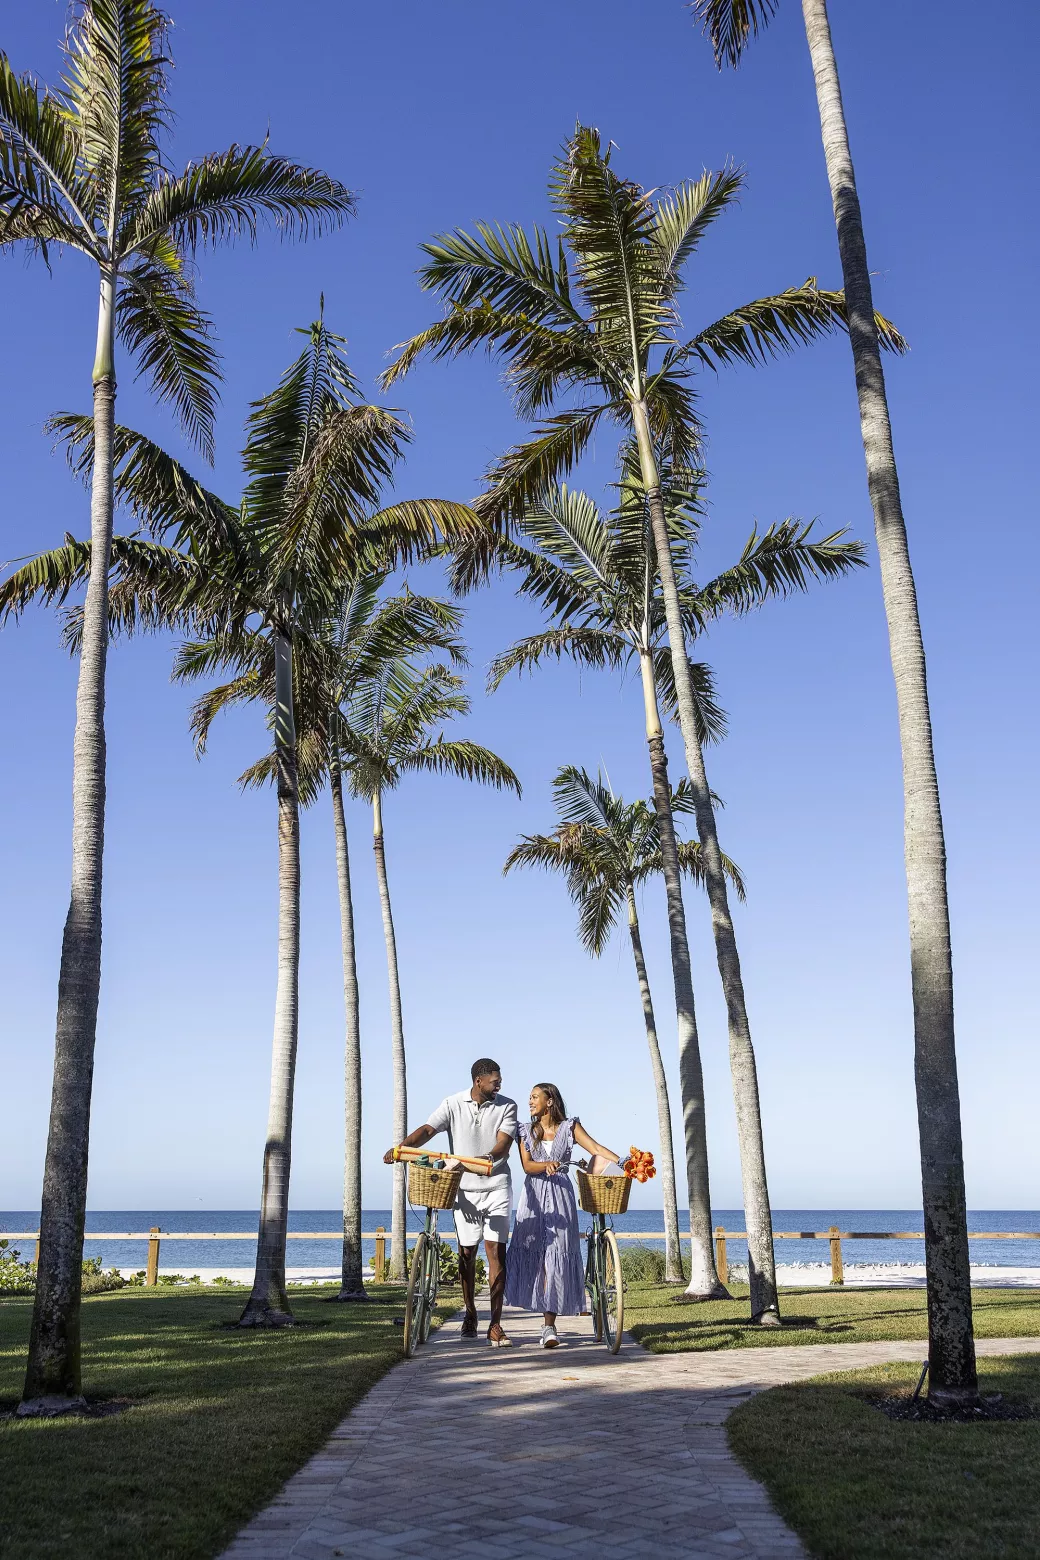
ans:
(594, 578)
(387, 732)
(608, 336)
(332, 656)
(605, 848)
(315, 459)
(731, 24)
(83, 168)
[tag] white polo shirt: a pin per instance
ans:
(473, 1130)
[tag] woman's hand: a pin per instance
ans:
(551, 1167)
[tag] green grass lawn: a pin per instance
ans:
(856, 1485)
(221, 1419)
(663, 1325)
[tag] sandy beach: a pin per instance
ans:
(894, 1275)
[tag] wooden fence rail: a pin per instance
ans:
(834, 1236)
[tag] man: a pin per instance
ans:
(481, 1124)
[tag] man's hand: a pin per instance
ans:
(389, 1156)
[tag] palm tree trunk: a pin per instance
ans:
(268, 1305)
(758, 1218)
(673, 1264)
(704, 1279)
(399, 1208)
(53, 1372)
(351, 1286)
(951, 1347)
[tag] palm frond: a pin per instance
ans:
(47, 578)
(600, 902)
(691, 862)
(520, 477)
(539, 850)
(467, 760)
(159, 492)
(785, 558)
(685, 214)
(609, 226)
(770, 327)
(231, 194)
(710, 716)
(587, 646)
(244, 689)
(116, 90)
(502, 268)
(159, 321)
(414, 528)
(731, 24)
(45, 194)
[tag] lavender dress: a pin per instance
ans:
(544, 1270)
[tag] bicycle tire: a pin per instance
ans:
(612, 1298)
(592, 1288)
(415, 1302)
(431, 1277)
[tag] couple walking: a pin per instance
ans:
(539, 1267)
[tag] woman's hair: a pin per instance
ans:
(557, 1110)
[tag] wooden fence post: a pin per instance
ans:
(151, 1276)
(721, 1260)
(837, 1267)
(379, 1260)
(36, 1253)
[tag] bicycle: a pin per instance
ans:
(603, 1195)
(432, 1185)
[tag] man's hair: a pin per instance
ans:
(482, 1067)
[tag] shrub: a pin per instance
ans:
(449, 1269)
(16, 1277)
(642, 1265)
(19, 1278)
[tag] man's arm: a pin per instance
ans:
(414, 1139)
(503, 1143)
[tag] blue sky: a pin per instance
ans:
(440, 115)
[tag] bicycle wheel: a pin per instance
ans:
(612, 1295)
(593, 1285)
(415, 1303)
(431, 1283)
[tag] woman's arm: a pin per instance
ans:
(536, 1166)
(581, 1137)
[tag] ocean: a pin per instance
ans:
(190, 1256)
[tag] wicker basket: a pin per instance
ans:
(428, 1188)
(603, 1193)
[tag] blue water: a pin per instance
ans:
(187, 1256)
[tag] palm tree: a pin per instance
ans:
(315, 458)
(605, 848)
(594, 577)
(951, 1349)
(386, 734)
(332, 656)
(83, 168)
(609, 337)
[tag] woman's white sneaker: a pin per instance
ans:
(549, 1339)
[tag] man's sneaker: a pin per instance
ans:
(549, 1339)
(469, 1327)
(497, 1338)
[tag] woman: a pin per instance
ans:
(544, 1270)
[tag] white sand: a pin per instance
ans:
(902, 1275)
(896, 1275)
(244, 1275)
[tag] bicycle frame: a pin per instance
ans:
(423, 1283)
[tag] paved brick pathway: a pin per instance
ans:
(471, 1451)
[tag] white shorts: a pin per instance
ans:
(483, 1214)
